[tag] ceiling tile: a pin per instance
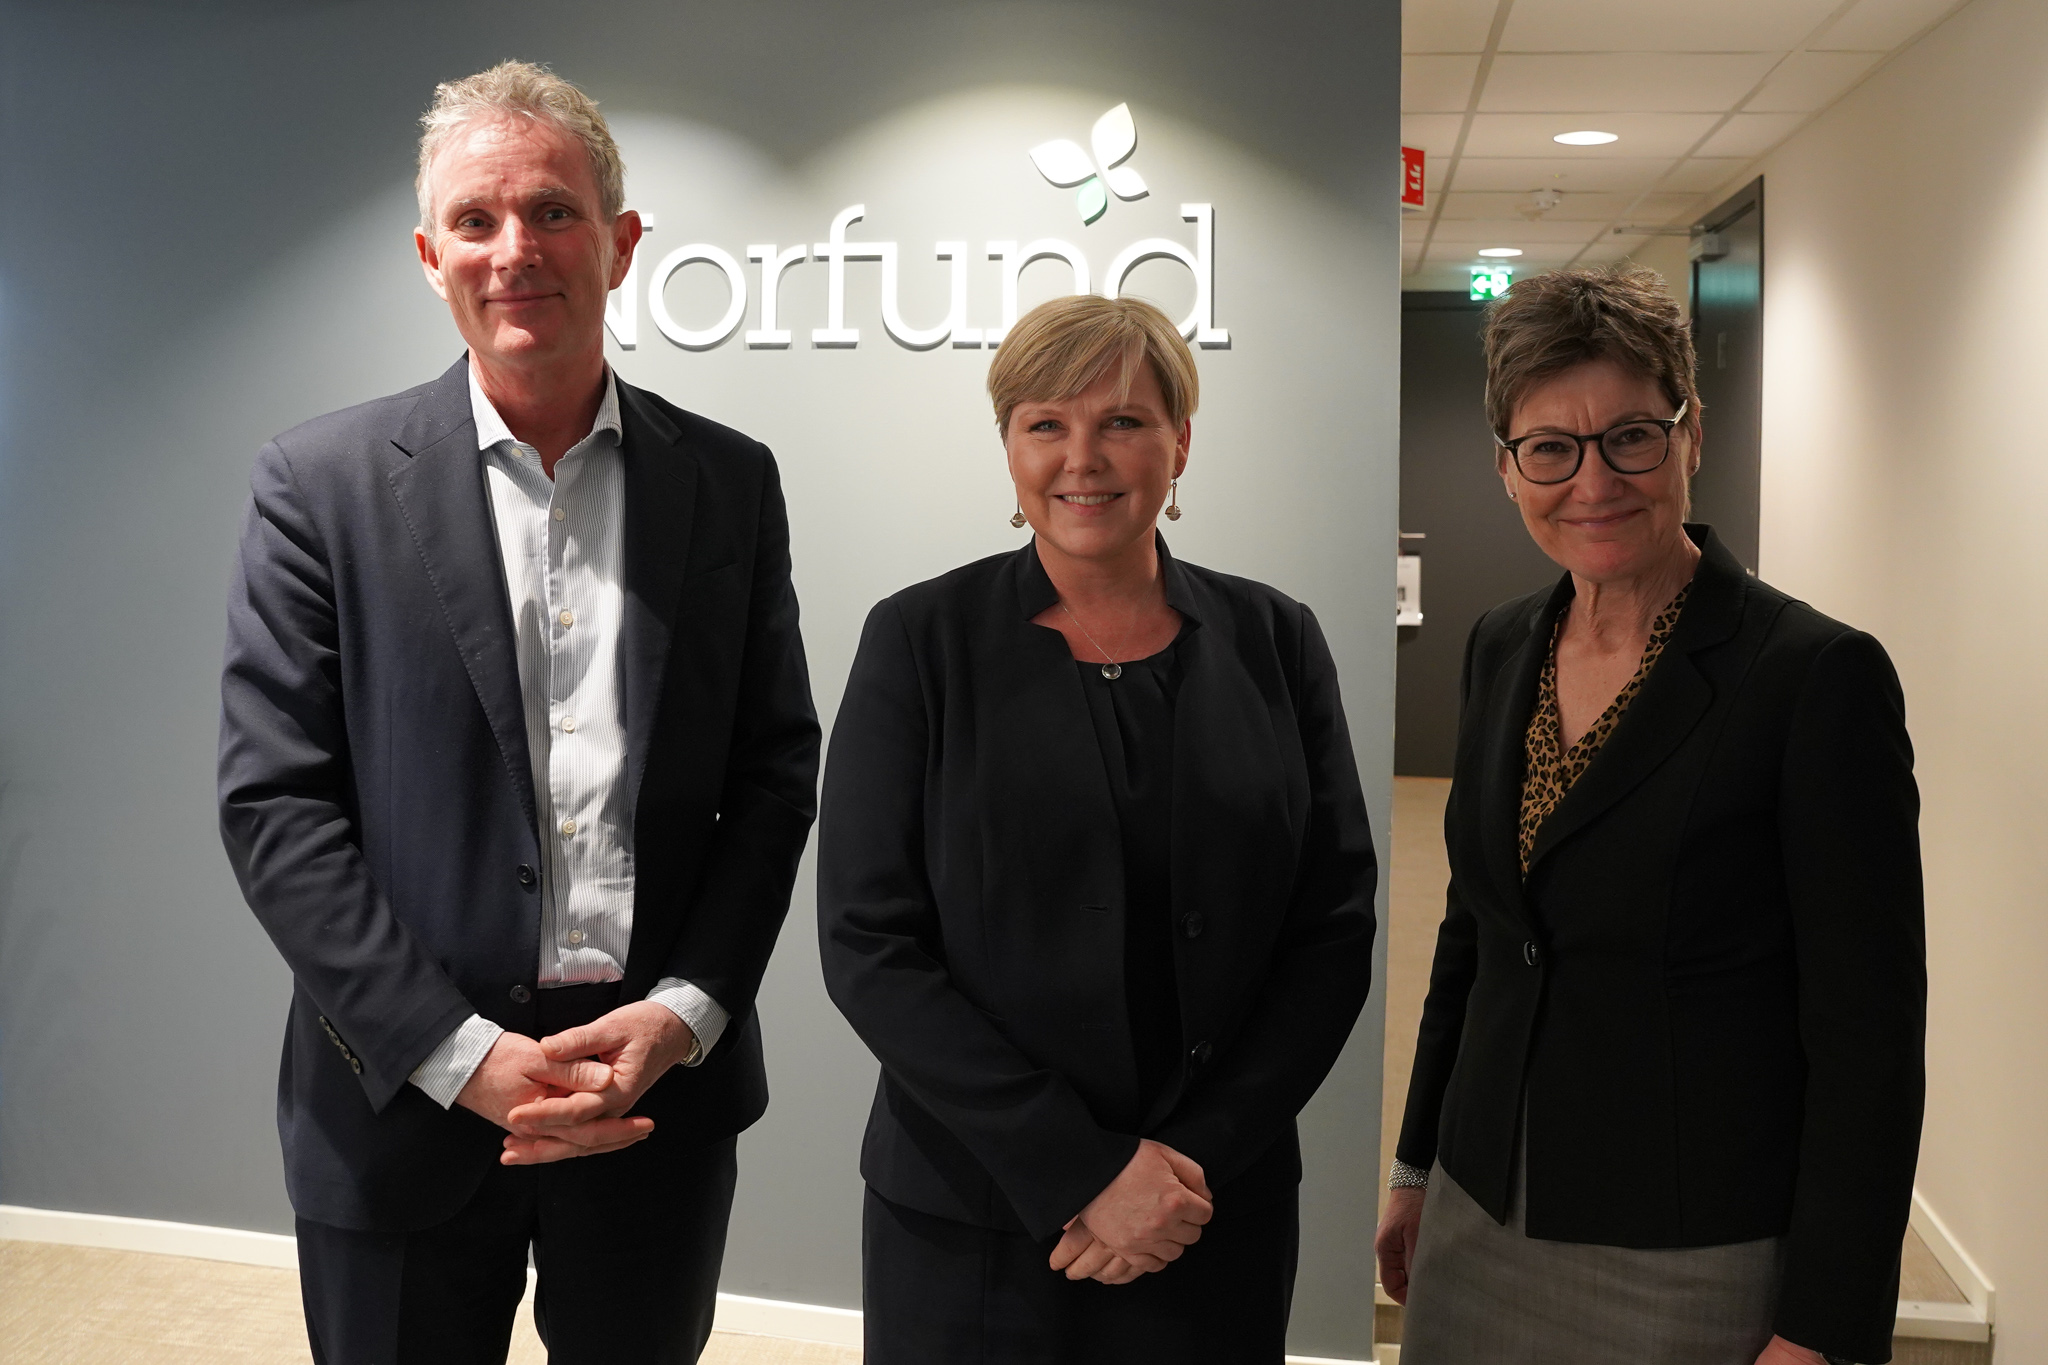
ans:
(1881, 25)
(1665, 135)
(1751, 135)
(1664, 26)
(1432, 85)
(1617, 82)
(1446, 25)
(1528, 236)
(1533, 173)
(1578, 207)
(1809, 81)
(1436, 134)
(1706, 174)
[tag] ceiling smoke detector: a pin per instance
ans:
(1540, 203)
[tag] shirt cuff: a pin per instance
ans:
(448, 1067)
(706, 1017)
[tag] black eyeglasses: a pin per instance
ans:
(1634, 447)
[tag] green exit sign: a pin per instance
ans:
(1490, 281)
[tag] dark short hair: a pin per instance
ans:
(1547, 324)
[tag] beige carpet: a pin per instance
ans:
(63, 1305)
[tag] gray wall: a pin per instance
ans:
(207, 242)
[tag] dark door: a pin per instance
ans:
(1728, 332)
(1474, 551)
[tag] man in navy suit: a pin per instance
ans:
(517, 760)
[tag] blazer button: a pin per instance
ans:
(520, 995)
(1200, 1053)
(526, 877)
(1191, 924)
(1530, 955)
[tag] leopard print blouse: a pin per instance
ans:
(1547, 773)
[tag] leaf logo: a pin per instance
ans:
(1113, 138)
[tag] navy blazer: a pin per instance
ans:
(1705, 1004)
(376, 798)
(971, 895)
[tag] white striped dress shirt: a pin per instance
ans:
(561, 541)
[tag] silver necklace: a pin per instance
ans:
(1111, 669)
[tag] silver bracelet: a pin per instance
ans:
(1406, 1177)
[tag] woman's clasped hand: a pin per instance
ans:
(1148, 1216)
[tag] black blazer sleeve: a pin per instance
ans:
(771, 787)
(1848, 821)
(1451, 974)
(287, 799)
(885, 965)
(1321, 967)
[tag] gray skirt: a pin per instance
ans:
(1483, 1294)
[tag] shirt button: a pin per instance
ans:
(568, 725)
(520, 995)
(568, 827)
(575, 938)
(561, 514)
(567, 618)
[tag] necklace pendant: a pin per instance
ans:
(1112, 671)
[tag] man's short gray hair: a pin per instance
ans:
(521, 90)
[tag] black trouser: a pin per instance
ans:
(944, 1293)
(627, 1245)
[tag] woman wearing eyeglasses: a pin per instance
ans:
(1667, 1090)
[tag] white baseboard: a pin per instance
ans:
(736, 1312)
(106, 1230)
(1976, 1286)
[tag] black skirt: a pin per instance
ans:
(938, 1292)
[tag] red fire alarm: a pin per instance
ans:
(1411, 178)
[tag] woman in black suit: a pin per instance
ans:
(1667, 1091)
(1096, 886)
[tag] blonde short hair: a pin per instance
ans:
(521, 90)
(1061, 347)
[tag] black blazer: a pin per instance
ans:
(375, 796)
(1711, 990)
(970, 895)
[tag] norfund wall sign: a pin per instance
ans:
(1094, 177)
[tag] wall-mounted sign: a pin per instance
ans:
(1491, 281)
(1411, 179)
(1097, 172)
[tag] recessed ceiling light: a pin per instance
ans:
(1586, 138)
(1501, 251)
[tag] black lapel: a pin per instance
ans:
(660, 504)
(1240, 806)
(1674, 698)
(446, 505)
(1510, 696)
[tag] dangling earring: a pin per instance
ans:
(1173, 501)
(1018, 520)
